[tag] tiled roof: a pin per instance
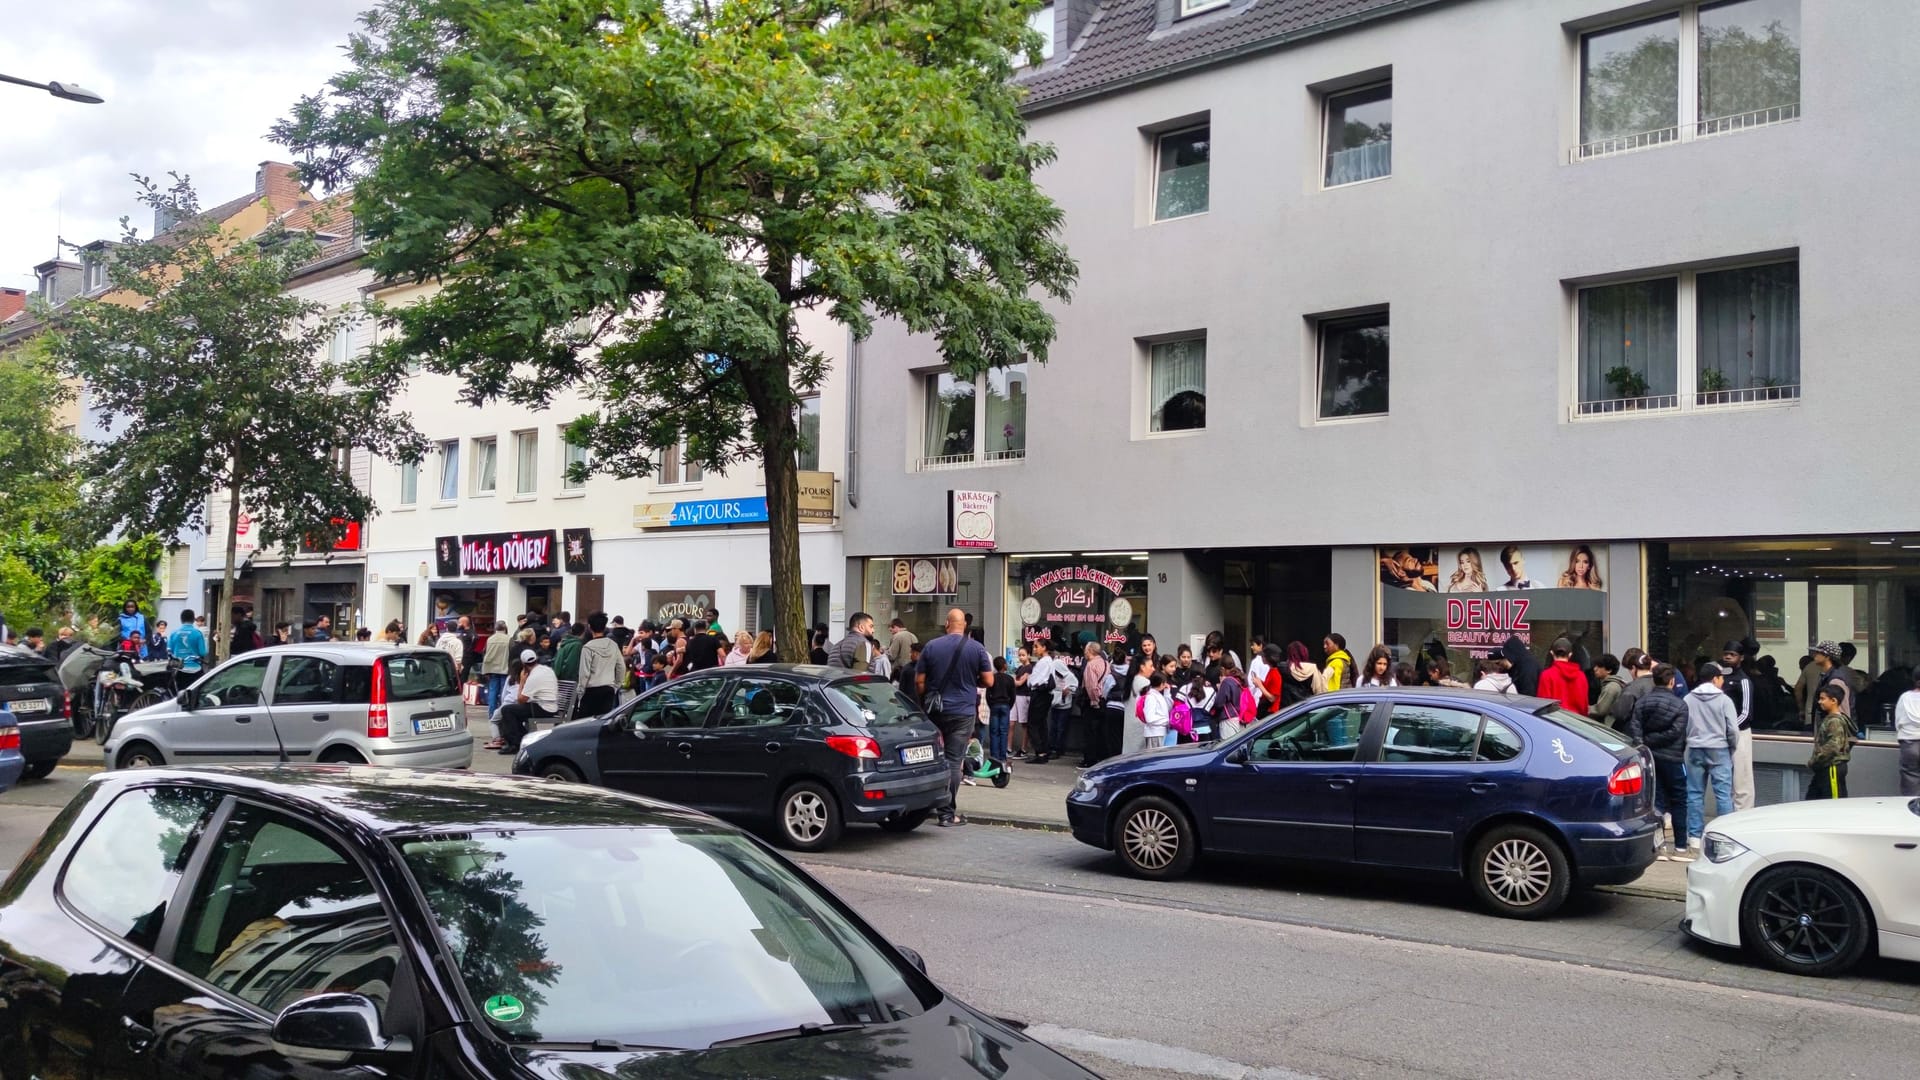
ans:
(1124, 43)
(332, 216)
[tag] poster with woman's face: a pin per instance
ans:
(1488, 594)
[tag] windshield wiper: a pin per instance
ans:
(802, 1032)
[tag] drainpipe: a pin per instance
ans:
(853, 416)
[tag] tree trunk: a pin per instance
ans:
(769, 389)
(222, 619)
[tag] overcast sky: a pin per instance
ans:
(192, 86)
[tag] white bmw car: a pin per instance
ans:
(1809, 887)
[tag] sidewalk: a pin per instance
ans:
(1036, 799)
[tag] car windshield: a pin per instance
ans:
(26, 674)
(874, 701)
(647, 936)
(1580, 725)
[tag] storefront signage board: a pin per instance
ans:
(666, 605)
(1075, 598)
(926, 577)
(496, 553)
(971, 519)
(702, 512)
(578, 547)
(816, 497)
(1472, 599)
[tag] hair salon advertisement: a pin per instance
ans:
(1471, 599)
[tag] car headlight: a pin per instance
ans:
(1086, 786)
(532, 737)
(1721, 847)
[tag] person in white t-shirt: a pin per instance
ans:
(1906, 728)
(1263, 702)
(1158, 712)
(536, 698)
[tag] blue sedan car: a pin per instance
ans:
(1522, 797)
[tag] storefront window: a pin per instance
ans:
(1468, 603)
(1785, 597)
(1073, 599)
(918, 590)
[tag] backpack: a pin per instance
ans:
(1248, 707)
(1180, 717)
(1117, 686)
(1140, 707)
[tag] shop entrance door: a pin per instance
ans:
(543, 596)
(589, 595)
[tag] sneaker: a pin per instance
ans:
(952, 821)
(1685, 854)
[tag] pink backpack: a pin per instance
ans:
(1180, 718)
(1247, 705)
(1140, 707)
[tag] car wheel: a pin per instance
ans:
(1154, 838)
(40, 770)
(1805, 921)
(808, 818)
(1519, 872)
(558, 770)
(341, 755)
(139, 755)
(906, 822)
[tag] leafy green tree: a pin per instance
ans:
(633, 198)
(40, 524)
(217, 381)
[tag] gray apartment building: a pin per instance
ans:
(1491, 318)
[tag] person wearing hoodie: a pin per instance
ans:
(1832, 746)
(1563, 681)
(1739, 690)
(599, 669)
(1712, 731)
(1339, 667)
(1522, 666)
(131, 620)
(1639, 674)
(1606, 671)
(1659, 723)
(1493, 676)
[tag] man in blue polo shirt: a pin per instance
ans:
(953, 668)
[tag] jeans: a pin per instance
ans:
(1910, 767)
(495, 684)
(955, 729)
(1057, 720)
(1707, 765)
(1670, 787)
(1040, 724)
(998, 717)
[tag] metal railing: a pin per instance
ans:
(1702, 399)
(1746, 395)
(967, 461)
(1625, 144)
(1720, 125)
(1704, 129)
(1615, 406)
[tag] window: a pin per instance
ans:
(281, 914)
(1359, 135)
(1195, 7)
(409, 483)
(96, 274)
(237, 684)
(571, 454)
(679, 705)
(486, 465)
(975, 420)
(1742, 70)
(306, 680)
(179, 568)
(675, 465)
(807, 420)
(526, 462)
(1420, 734)
(1635, 354)
(763, 703)
(1180, 163)
(1177, 385)
(450, 470)
(1353, 366)
(1040, 22)
(1498, 742)
(1327, 734)
(340, 345)
(420, 676)
(126, 868)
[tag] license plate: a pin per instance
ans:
(916, 755)
(429, 724)
(31, 705)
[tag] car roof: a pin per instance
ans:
(393, 801)
(1521, 703)
(810, 672)
(20, 654)
(352, 652)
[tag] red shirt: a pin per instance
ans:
(1565, 682)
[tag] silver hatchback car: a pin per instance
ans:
(351, 703)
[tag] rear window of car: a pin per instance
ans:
(1608, 738)
(418, 676)
(874, 701)
(27, 674)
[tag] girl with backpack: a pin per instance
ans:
(1139, 683)
(1198, 698)
(1233, 702)
(1155, 711)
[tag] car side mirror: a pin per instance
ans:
(913, 957)
(334, 1029)
(1239, 756)
(188, 699)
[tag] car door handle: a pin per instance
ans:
(1340, 782)
(322, 716)
(243, 719)
(684, 747)
(1481, 787)
(773, 748)
(139, 1036)
(1905, 847)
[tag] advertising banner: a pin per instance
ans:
(926, 577)
(970, 519)
(665, 605)
(816, 497)
(1471, 599)
(495, 553)
(579, 549)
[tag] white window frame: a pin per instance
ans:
(569, 451)
(1143, 348)
(681, 480)
(479, 446)
(1190, 8)
(1686, 355)
(979, 456)
(1688, 125)
(449, 451)
(1153, 176)
(179, 567)
(400, 499)
(96, 273)
(526, 482)
(799, 412)
(1326, 130)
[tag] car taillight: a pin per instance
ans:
(855, 746)
(66, 704)
(9, 738)
(377, 702)
(1628, 779)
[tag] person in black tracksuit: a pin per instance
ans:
(1659, 722)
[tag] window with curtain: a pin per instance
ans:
(526, 462)
(1629, 337)
(975, 420)
(1359, 135)
(450, 470)
(1177, 385)
(1181, 163)
(571, 454)
(1006, 412)
(1353, 366)
(807, 419)
(675, 465)
(409, 483)
(1749, 332)
(950, 419)
(486, 463)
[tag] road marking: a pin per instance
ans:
(1152, 1055)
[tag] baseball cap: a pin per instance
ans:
(1710, 669)
(528, 656)
(1828, 649)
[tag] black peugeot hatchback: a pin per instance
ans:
(335, 921)
(800, 748)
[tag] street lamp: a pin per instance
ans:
(68, 91)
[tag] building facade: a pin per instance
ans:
(1497, 319)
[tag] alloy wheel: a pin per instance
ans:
(806, 817)
(1804, 920)
(1151, 838)
(1517, 872)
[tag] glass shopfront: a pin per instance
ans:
(1070, 600)
(1466, 602)
(918, 590)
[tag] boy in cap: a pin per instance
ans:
(536, 698)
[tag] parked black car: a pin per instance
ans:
(31, 688)
(334, 921)
(803, 749)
